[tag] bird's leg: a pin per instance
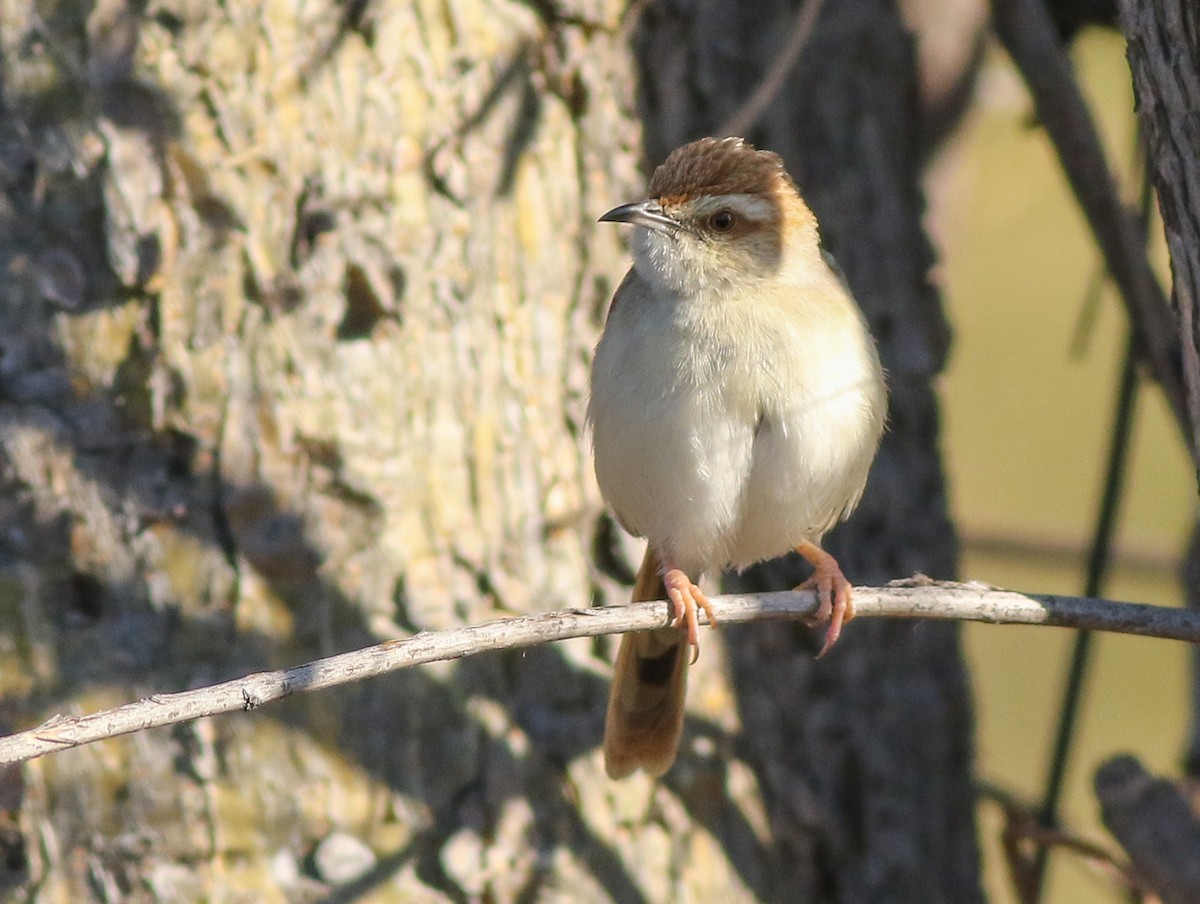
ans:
(835, 604)
(686, 598)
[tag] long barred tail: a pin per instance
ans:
(645, 705)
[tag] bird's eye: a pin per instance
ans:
(722, 220)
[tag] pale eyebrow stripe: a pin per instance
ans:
(750, 206)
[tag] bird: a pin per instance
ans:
(736, 403)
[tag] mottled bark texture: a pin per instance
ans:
(297, 310)
(295, 326)
(1155, 823)
(864, 759)
(1164, 57)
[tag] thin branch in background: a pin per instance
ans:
(1086, 321)
(760, 98)
(1099, 558)
(919, 597)
(1024, 838)
(1099, 561)
(1028, 34)
(1093, 294)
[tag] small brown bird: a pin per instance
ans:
(737, 402)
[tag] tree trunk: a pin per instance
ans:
(1164, 59)
(864, 758)
(295, 337)
(1164, 56)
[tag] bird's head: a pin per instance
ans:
(719, 214)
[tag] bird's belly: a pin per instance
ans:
(722, 454)
(675, 471)
(807, 469)
(709, 487)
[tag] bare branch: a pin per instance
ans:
(1027, 32)
(916, 598)
(1024, 837)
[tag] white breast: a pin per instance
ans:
(814, 447)
(728, 453)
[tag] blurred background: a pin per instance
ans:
(1029, 397)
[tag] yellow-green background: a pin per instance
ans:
(1026, 432)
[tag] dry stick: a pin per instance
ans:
(918, 598)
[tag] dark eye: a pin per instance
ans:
(722, 220)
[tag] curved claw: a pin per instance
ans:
(834, 596)
(686, 598)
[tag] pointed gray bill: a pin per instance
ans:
(641, 213)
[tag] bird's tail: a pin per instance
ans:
(645, 705)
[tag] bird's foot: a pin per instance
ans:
(835, 603)
(687, 598)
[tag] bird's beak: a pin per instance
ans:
(642, 213)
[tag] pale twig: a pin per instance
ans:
(917, 598)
